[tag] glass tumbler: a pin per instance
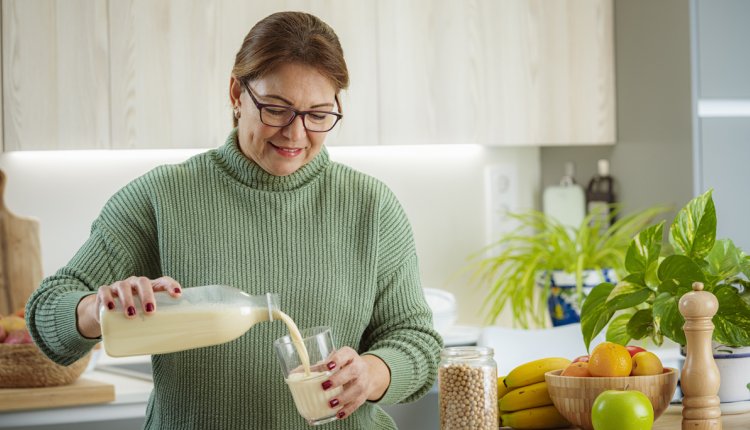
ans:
(308, 394)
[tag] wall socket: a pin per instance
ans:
(501, 196)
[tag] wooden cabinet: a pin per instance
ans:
(497, 72)
(55, 74)
(155, 73)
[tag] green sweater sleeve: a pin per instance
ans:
(400, 332)
(102, 260)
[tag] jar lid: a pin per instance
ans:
(467, 352)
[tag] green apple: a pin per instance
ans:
(622, 410)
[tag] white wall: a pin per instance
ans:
(441, 187)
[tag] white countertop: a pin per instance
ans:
(131, 397)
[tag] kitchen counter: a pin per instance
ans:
(131, 395)
(672, 420)
(127, 411)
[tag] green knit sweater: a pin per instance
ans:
(333, 243)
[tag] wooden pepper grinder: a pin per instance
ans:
(700, 377)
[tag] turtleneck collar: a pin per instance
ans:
(233, 162)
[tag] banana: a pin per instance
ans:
(545, 417)
(530, 396)
(501, 388)
(533, 371)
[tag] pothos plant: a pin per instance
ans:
(645, 302)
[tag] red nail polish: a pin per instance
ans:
(340, 414)
(177, 290)
(110, 305)
(326, 385)
(334, 403)
(131, 311)
(149, 307)
(331, 365)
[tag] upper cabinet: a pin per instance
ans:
(508, 72)
(155, 73)
(55, 74)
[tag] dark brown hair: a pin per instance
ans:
(291, 37)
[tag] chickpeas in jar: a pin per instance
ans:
(467, 389)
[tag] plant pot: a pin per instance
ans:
(734, 370)
(564, 303)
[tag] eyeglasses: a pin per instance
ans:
(281, 116)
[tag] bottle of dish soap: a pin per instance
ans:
(201, 316)
(566, 202)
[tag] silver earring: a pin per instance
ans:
(237, 112)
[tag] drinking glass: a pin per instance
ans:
(308, 394)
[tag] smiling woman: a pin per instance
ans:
(266, 212)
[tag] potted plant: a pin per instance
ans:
(543, 252)
(644, 304)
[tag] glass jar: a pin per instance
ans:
(467, 389)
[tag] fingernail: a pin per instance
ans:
(340, 414)
(331, 365)
(131, 311)
(149, 307)
(110, 305)
(177, 291)
(334, 403)
(326, 385)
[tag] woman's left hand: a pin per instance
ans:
(361, 377)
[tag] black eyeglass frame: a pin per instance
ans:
(302, 113)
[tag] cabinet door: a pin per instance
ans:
(354, 24)
(55, 74)
(723, 37)
(496, 72)
(725, 151)
(163, 69)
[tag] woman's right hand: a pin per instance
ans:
(88, 308)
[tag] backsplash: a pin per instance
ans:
(442, 188)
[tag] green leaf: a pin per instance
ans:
(644, 249)
(629, 292)
(678, 271)
(667, 316)
(724, 260)
(617, 331)
(641, 324)
(732, 321)
(594, 314)
(746, 265)
(693, 231)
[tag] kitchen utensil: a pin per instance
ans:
(700, 375)
(574, 396)
(20, 257)
(81, 392)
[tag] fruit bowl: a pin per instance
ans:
(25, 366)
(574, 396)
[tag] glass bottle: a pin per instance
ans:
(467, 388)
(201, 316)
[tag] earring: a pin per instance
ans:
(237, 113)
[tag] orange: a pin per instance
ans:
(610, 359)
(579, 368)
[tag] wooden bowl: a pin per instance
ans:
(25, 366)
(574, 396)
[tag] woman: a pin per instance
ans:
(267, 211)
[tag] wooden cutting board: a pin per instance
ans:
(20, 257)
(81, 392)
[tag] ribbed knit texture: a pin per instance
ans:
(333, 243)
